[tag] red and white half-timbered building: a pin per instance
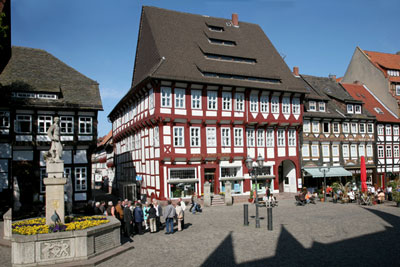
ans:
(206, 93)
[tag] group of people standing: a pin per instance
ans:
(137, 218)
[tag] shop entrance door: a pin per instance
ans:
(209, 176)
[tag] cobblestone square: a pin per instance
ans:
(314, 235)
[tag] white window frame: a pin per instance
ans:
(250, 137)
(275, 104)
(264, 104)
(354, 128)
(361, 150)
(381, 151)
(254, 102)
(285, 105)
(44, 123)
(80, 179)
(151, 102)
(369, 151)
(238, 136)
(315, 151)
(397, 89)
(211, 133)
(85, 125)
(196, 99)
(66, 124)
(195, 137)
(388, 150)
(323, 127)
(321, 106)
(353, 151)
(312, 105)
(306, 126)
(296, 105)
(22, 118)
(395, 129)
(325, 151)
(260, 138)
(396, 152)
(165, 97)
(381, 129)
(212, 100)
(350, 108)
(239, 102)
(388, 130)
(292, 137)
(179, 136)
(335, 127)
(227, 101)
(335, 150)
(357, 109)
(315, 126)
(345, 151)
(345, 127)
(270, 134)
(4, 119)
(156, 137)
(225, 136)
(362, 128)
(305, 150)
(180, 94)
(281, 138)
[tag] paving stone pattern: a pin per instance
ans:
(324, 234)
(314, 235)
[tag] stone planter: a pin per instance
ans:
(43, 249)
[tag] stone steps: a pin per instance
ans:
(217, 200)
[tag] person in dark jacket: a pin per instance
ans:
(97, 210)
(128, 220)
(138, 217)
(152, 218)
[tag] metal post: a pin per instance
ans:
(269, 215)
(246, 214)
(257, 217)
(325, 185)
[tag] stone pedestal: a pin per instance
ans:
(7, 218)
(228, 193)
(55, 169)
(54, 198)
(207, 194)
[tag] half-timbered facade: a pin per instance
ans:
(386, 132)
(36, 88)
(337, 131)
(206, 93)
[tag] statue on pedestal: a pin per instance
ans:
(56, 149)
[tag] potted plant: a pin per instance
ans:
(251, 196)
(321, 197)
(396, 197)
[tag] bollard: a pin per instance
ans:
(269, 215)
(257, 217)
(246, 214)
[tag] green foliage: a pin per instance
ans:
(3, 29)
(251, 194)
(396, 196)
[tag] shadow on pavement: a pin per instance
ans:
(380, 248)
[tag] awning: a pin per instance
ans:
(333, 172)
(178, 181)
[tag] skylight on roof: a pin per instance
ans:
(239, 77)
(378, 110)
(230, 58)
(221, 42)
(215, 28)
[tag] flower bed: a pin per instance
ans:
(38, 225)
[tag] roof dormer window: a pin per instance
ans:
(321, 106)
(312, 106)
(393, 73)
(215, 28)
(350, 108)
(357, 109)
(221, 42)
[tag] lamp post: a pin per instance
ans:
(324, 169)
(254, 172)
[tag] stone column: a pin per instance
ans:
(207, 194)
(55, 191)
(228, 193)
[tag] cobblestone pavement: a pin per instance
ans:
(314, 235)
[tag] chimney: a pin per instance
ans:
(296, 71)
(332, 77)
(235, 20)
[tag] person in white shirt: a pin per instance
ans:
(351, 195)
(389, 190)
(183, 206)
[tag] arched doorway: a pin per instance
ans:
(287, 176)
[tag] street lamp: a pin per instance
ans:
(254, 172)
(324, 169)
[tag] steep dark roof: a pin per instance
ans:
(173, 45)
(35, 70)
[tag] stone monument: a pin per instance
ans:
(55, 180)
(207, 194)
(228, 193)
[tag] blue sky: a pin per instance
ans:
(98, 38)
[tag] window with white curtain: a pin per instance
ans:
(306, 126)
(286, 105)
(264, 104)
(296, 105)
(238, 136)
(239, 102)
(305, 151)
(292, 137)
(275, 104)
(270, 138)
(166, 97)
(212, 97)
(179, 136)
(226, 100)
(250, 137)
(196, 99)
(179, 98)
(260, 138)
(253, 102)
(211, 136)
(226, 136)
(195, 136)
(281, 137)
